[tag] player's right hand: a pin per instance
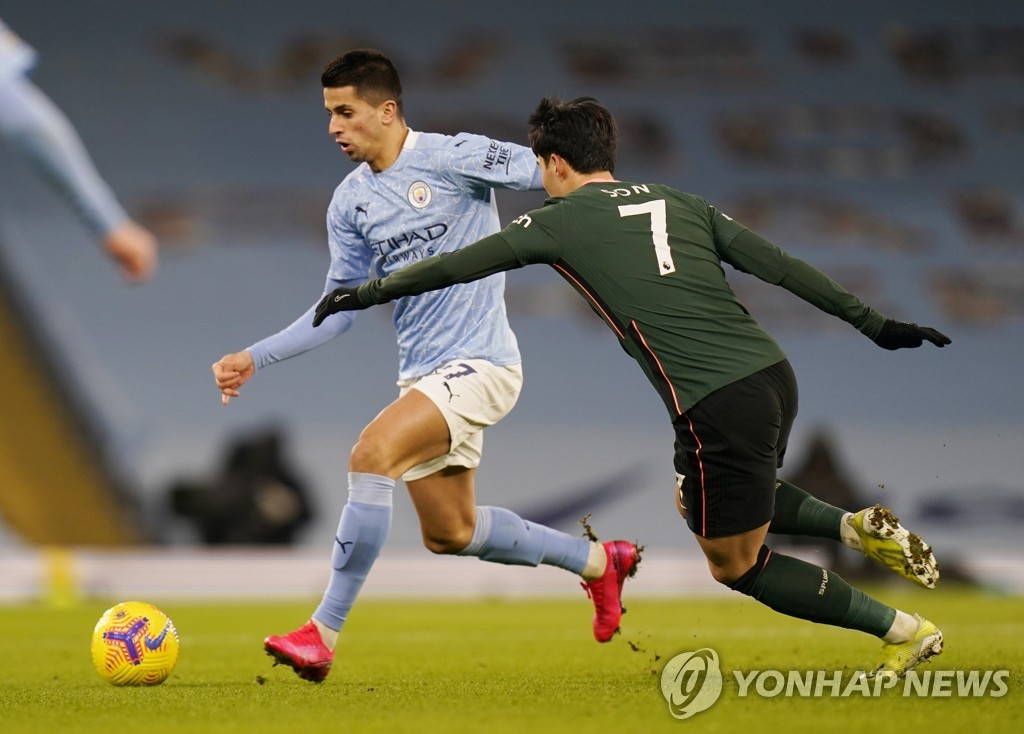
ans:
(343, 298)
(232, 371)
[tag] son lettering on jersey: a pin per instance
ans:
(623, 191)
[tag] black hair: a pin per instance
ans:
(581, 131)
(371, 73)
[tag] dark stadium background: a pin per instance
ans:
(883, 142)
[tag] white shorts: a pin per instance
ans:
(471, 395)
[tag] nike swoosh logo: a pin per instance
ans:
(338, 298)
(154, 642)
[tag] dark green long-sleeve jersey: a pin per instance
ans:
(648, 259)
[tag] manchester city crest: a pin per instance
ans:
(419, 194)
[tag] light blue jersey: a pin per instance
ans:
(437, 197)
(16, 56)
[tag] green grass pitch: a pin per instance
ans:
(498, 666)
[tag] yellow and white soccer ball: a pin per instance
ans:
(134, 644)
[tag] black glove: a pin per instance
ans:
(905, 335)
(343, 298)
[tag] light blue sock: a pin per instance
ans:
(501, 536)
(365, 522)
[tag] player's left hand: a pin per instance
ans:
(343, 298)
(906, 335)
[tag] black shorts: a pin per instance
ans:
(728, 448)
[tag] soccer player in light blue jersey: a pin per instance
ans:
(37, 128)
(414, 195)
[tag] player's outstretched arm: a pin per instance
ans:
(482, 258)
(41, 131)
(749, 252)
(232, 371)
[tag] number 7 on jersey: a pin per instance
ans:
(659, 231)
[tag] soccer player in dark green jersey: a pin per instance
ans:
(648, 259)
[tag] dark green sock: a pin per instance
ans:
(800, 589)
(798, 513)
